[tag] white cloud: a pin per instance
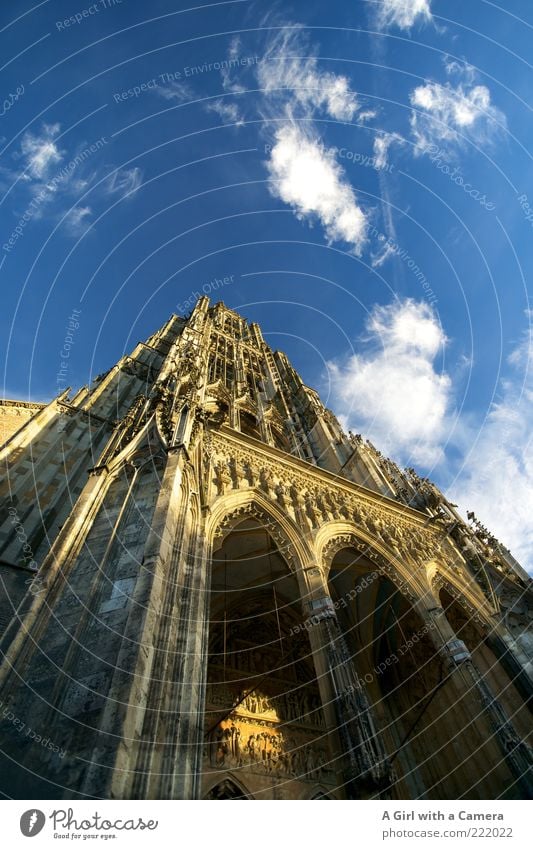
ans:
(56, 178)
(40, 152)
(299, 83)
(234, 55)
(284, 74)
(381, 257)
(77, 220)
(45, 173)
(403, 13)
(497, 476)
(175, 90)
(125, 181)
(382, 142)
(366, 115)
(229, 112)
(392, 392)
(305, 175)
(304, 172)
(444, 114)
(461, 69)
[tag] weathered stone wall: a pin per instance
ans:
(13, 415)
(68, 675)
(14, 584)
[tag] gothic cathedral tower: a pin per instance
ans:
(211, 591)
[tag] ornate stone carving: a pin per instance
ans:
(254, 511)
(440, 581)
(383, 565)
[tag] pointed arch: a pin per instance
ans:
(228, 788)
(334, 536)
(231, 509)
(472, 599)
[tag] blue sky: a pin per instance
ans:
(355, 176)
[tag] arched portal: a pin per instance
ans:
(225, 790)
(263, 716)
(435, 747)
(502, 678)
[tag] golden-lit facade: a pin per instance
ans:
(211, 591)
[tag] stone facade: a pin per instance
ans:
(13, 415)
(214, 592)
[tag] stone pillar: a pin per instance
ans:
(522, 658)
(362, 756)
(469, 684)
(129, 695)
(192, 649)
(17, 646)
(155, 705)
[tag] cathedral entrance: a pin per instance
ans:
(507, 681)
(438, 736)
(428, 737)
(264, 726)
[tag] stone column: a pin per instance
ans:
(192, 651)
(469, 684)
(364, 761)
(19, 643)
(156, 700)
(125, 713)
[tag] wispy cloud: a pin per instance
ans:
(47, 173)
(449, 114)
(291, 79)
(54, 181)
(227, 111)
(175, 90)
(229, 83)
(380, 258)
(304, 172)
(366, 115)
(497, 476)
(382, 143)
(125, 182)
(392, 391)
(77, 220)
(40, 152)
(403, 13)
(305, 175)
